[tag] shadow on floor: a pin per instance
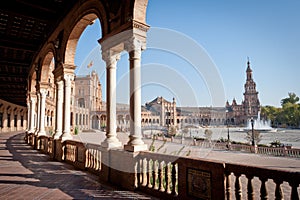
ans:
(56, 180)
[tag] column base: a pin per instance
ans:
(41, 133)
(66, 136)
(109, 145)
(57, 135)
(135, 148)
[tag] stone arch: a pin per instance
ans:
(103, 120)
(32, 82)
(139, 10)
(47, 66)
(74, 36)
(95, 122)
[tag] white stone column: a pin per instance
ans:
(5, 120)
(28, 115)
(59, 109)
(12, 121)
(38, 114)
(19, 121)
(43, 93)
(135, 143)
(67, 107)
(32, 111)
(111, 140)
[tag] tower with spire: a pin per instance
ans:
(240, 113)
(251, 102)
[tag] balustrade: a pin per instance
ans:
(261, 177)
(157, 174)
(93, 157)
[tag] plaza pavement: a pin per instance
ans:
(284, 163)
(27, 174)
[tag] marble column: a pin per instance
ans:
(32, 111)
(5, 120)
(19, 121)
(68, 78)
(135, 143)
(12, 121)
(43, 93)
(59, 109)
(28, 115)
(38, 114)
(111, 140)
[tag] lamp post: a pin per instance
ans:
(228, 136)
(252, 125)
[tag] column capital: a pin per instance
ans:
(33, 98)
(43, 92)
(68, 78)
(110, 57)
(134, 43)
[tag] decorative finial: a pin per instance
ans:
(248, 62)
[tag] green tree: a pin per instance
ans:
(290, 114)
(287, 115)
(257, 136)
(272, 113)
(292, 98)
(208, 134)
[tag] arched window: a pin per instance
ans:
(81, 103)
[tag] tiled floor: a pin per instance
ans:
(27, 174)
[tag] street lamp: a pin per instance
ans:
(252, 125)
(228, 137)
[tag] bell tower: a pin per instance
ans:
(251, 101)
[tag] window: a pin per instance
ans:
(81, 103)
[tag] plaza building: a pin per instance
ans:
(168, 114)
(88, 101)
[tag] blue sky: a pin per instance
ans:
(268, 32)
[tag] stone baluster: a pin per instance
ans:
(161, 174)
(228, 185)
(144, 177)
(88, 158)
(97, 166)
(238, 188)
(155, 174)
(150, 173)
(168, 178)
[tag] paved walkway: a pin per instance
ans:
(27, 174)
(281, 163)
